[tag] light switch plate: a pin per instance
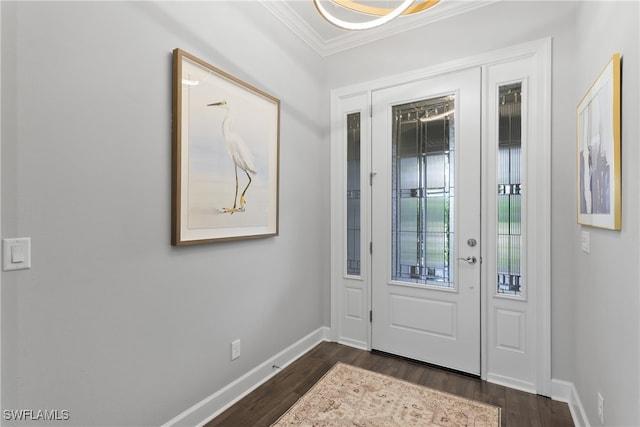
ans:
(16, 253)
(235, 349)
(586, 242)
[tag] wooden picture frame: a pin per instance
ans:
(598, 151)
(226, 138)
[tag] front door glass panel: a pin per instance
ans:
(423, 196)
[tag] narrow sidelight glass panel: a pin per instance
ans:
(353, 194)
(422, 192)
(509, 190)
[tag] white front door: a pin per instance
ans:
(426, 220)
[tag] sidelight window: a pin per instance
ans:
(353, 194)
(510, 190)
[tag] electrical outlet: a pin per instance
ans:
(601, 408)
(235, 349)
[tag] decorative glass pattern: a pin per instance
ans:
(353, 194)
(423, 161)
(510, 190)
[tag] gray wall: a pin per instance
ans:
(607, 295)
(112, 323)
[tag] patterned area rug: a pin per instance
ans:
(350, 396)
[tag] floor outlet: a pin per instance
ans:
(235, 349)
(601, 408)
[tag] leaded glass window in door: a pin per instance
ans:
(510, 190)
(423, 175)
(353, 194)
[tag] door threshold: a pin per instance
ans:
(427, 364)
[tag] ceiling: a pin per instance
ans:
(301, 17)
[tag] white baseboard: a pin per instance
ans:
(354, 343)
(207, 409)
(562, 391)
(565, 391)
(511, 383)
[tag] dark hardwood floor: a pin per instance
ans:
(267, 403)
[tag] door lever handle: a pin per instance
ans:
(469, 259)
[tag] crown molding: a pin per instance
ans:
(300, 27)
(345, 40)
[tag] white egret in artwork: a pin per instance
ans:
(239, 153)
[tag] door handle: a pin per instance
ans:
(469, 259)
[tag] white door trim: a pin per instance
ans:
(1, 405)
(540, 51)
(543, 226)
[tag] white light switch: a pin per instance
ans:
(586, 242)
(16, 254)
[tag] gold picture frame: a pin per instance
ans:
(226, 138)
(598, 150)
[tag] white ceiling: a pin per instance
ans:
(301, 17)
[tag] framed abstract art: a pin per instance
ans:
(598, 151)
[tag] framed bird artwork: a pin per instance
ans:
(225, 171)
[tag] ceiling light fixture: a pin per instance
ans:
(382, 15)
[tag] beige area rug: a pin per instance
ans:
(350, 396)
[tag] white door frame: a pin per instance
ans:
(1, 405)
(351, 296)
